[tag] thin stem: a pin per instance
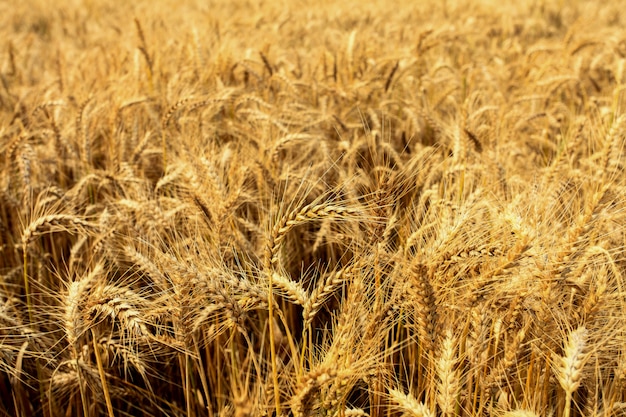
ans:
(105, 387)
(272, 345)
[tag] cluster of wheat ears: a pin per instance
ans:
(324, 209)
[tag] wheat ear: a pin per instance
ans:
(410, 405)
(53, 222)
(73, 324)
(72, 317)
(324, 289)
(303, 401)
(448, 387)
(270, 262)
(520, 413)
(425, 301)
(295, 217)
(570, 366)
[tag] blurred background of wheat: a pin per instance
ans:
(296, 208)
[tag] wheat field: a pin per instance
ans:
(263, 208)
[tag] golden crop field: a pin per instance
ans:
(290, 208)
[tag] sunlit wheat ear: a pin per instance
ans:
(354, 412)
(290, 289)
(569, 368)
(520, 413)
(447, 389)
(409, 405)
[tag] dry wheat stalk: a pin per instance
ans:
(502, 371)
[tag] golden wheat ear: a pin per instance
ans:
(409, 405)
(569, 368)
(449, 381)
(520, 413)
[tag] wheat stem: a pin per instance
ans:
(103, 380)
